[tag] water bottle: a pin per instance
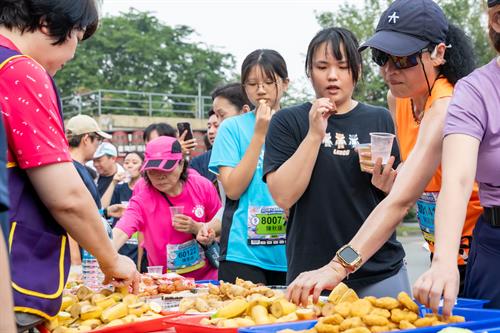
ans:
(91, 273)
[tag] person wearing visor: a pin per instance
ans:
(421, 56)
(471, 147)
(170, 240)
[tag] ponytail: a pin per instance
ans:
(460, 58)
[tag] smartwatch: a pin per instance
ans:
(349, 258)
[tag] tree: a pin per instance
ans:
(134, 51)
(362, 20)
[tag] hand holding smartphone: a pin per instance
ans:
(182, 127)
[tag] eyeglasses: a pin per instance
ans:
(404, 62)
(265, 85)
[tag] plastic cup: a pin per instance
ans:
(363, 148)
(381, 146)
(125, 203)
(174, 210)
(155, 270)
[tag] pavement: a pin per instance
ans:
(417, 256)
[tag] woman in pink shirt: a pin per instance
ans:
(170, 240)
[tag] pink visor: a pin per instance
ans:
(163, 154)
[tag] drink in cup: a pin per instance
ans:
(175, 210)
(381, 146)
(363, 148)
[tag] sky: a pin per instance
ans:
(241, 26)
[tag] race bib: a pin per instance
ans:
(185, 257)
(426, 207)
(266, 225)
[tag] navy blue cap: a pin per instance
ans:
(492, 3)
(408, 26)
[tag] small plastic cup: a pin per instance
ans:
(363, 148)
(155, 270)
(125, 203)
(381, 146)
(174, 210)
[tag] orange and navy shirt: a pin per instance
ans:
(407, 133)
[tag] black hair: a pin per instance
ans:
(211, 113)
(495, 38)
(234, 93)
(337, 38)
(184, 173)
(270, 61)
(138, 153)
(60, 16)
(460, 58)
(75, 140)
(163, 129)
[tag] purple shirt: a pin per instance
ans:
(475, 110)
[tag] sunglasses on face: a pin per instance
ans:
(404, 62)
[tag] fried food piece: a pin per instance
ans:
(187, 303)
(351, 323)
(328, 309)
(335, 319)
(326, 328)
(455, 319)
(375, 320)
(371, 299)
(379, 329)
(349, 296)
(398, 315)
(407, 302)
(305, 314)
(439, 323)
(405, 324)
(381, 312)
(344, 309)
(337, 293)
(358, 330)
(361, 308)
(388, 303)
(424, 322)
(213, 289)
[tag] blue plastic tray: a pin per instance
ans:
(469, 303)
(214, 282)
(476, 319)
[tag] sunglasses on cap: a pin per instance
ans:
(404, 62)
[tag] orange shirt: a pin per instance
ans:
(407, 132)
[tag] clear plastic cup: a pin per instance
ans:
(363, 148)
(125, 203)
(381, 146)
(174, 210)
(155, 270)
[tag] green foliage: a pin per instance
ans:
(362, 17)
(135, 51)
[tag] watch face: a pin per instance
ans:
(349, 255)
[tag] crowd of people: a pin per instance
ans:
(284, 191)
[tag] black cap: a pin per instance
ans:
(408, 26)
(492, 3)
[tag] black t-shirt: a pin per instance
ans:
(88, 181)
(121, 193)
(103, 183)
(200, 164)
(339, 196)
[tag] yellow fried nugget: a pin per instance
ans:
(337, 293)
(327, 328)
(407, 302)
(361, 308)
(405, 324)
(374, 320)
(344, 309)
(455, 319)
(398, 315)
(328, 309)
(349, 296)
(388, 303)
(392, 325)
(351, 323)
(424, 322)
(358, 330)
(371, 299)
(379, 329)
(335, 319)
(381, 312)
(438, 323)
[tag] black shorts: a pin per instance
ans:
(230, 270)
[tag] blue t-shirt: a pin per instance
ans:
(251, 226)
(88, 181)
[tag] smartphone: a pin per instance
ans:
(182, 127)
